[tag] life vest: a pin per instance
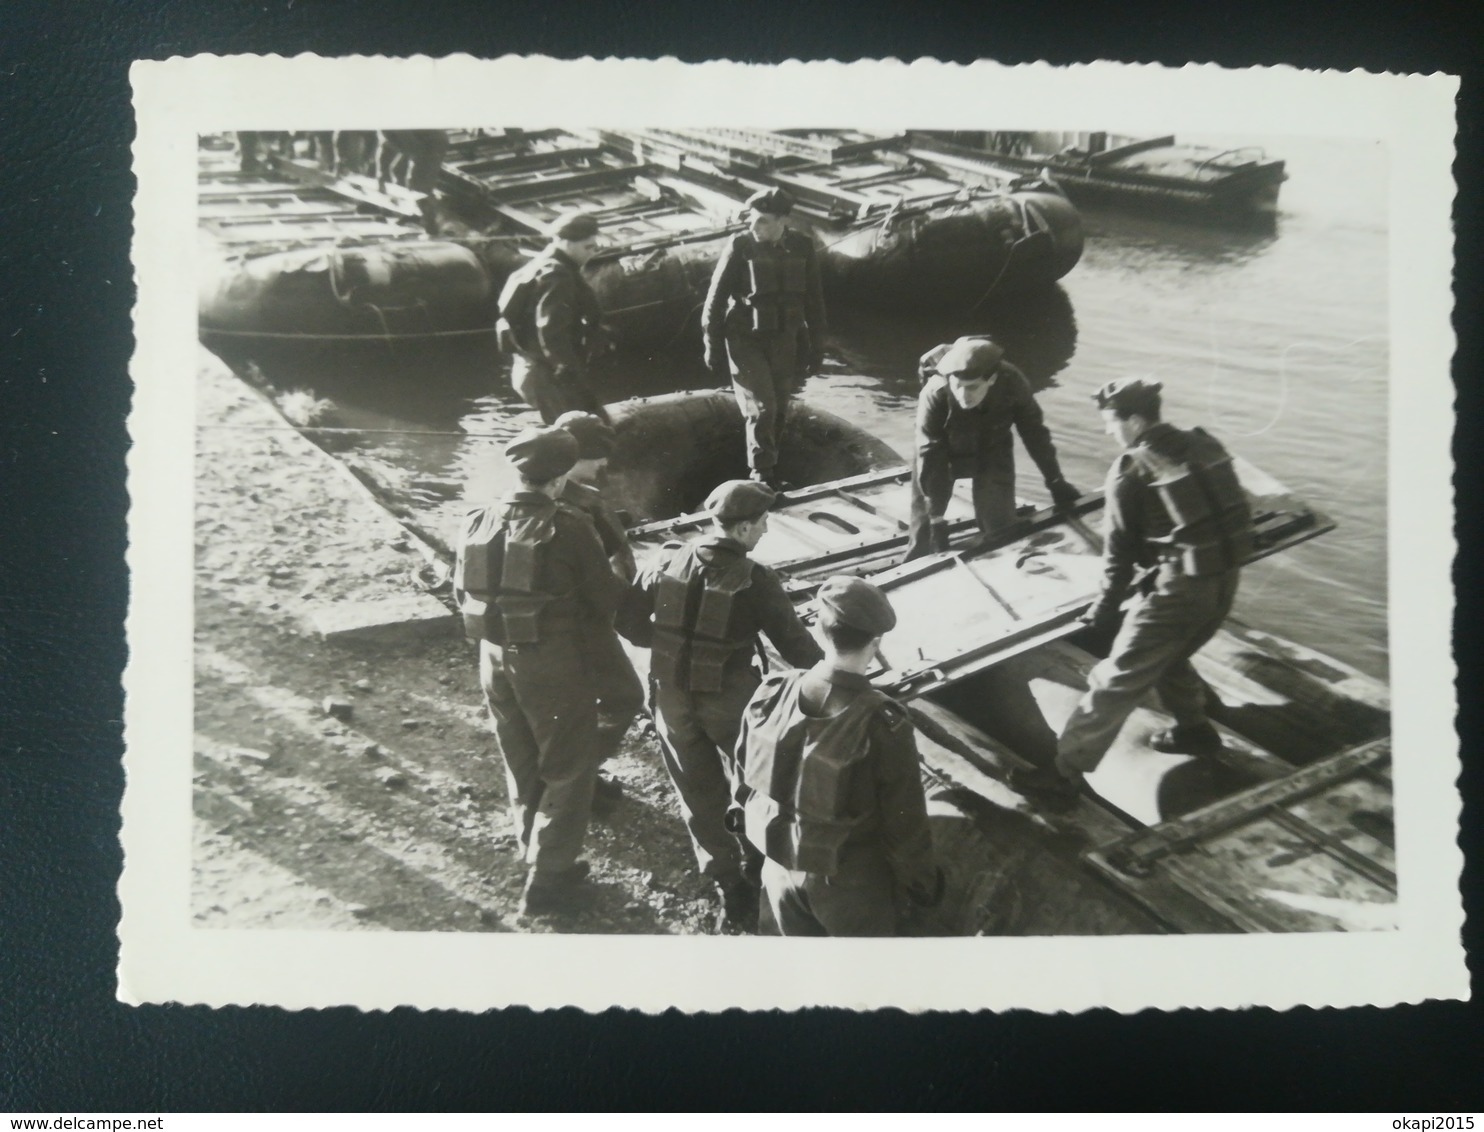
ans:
(516, 541)
(800, 786)
(1210, 517)
(777, 282)
(692, 608)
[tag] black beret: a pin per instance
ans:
(573, 226)
(595, 437)
(859, 604)
(740, 499)
(1129, 395)
(542, 454)
(773, 202)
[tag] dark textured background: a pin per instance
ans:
(65, 1044)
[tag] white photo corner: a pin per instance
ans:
(995, 521)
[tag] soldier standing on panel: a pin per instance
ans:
(424, 150)
(1177, 513)
(765, 314)
(829, 784)
(550, 321)
(620, 695)
(699, 611)
(964, 415)
(533, 585)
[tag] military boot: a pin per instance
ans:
(557, 894)
(1051, 788)
(737, 907)
(1187, 739)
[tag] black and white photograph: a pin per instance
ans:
(591, 549)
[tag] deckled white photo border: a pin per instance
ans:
(164, 959)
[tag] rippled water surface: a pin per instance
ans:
(1274, 340)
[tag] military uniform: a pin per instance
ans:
(1176, 511)
(765, 307)
(551, 321)
(699, 611)
(533, 584)
(424, 150)
(954, 443)
(830, 792)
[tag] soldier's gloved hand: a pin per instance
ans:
(1063, 494)
(1101, 615)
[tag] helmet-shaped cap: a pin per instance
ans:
(737, 500)
(772, 202)
(542, 454)
(859, 604)
(1129, 395)
(973, 357)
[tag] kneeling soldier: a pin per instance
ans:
(533, 584)
(700, 611)
(620, 695)
(830, 787)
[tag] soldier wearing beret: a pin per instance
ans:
(764, 314)
(700, 611)
(533, 584)
(829, 786)
(1177, 519)
(620, 695)
(965, 412)
(550, 321)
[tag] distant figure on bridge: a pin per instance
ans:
(965, 412)
(550, 321)
(1179, 521)
(764, 315)
(423, 150)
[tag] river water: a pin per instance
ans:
(1275, 340)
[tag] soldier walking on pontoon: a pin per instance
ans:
(550, 321)
(620, 695)
(972, 399)
(700, 611)
(1177, 515)
(830, 788)
(534, 585)
(764, 315)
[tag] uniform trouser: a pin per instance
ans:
(541, 699)
(765, 372)
(698, 737)
(619, 693)
(537, 384)
(1160, 634)
(858, 900)
(994, 501)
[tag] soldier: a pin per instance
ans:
(964, 416)
(533, 584)
(550, 321)
(699, 611)
(830, 787)
(1177, 513)
(620, 695)
(765, 313)
(424, 150)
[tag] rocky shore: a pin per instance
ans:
(353, 782)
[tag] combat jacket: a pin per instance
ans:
(700, 610)
(968, 441)
(611, 533)
(815, 788)
(551, 311)
(529, 571)
(1173, 498)
(763, 288)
